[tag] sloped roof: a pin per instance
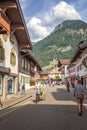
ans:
(13, 11)
(72, 65)
(31, 58)
(45, 72)
(4, 23)
(80, 48)
(63, 62)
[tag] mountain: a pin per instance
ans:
(61, 43)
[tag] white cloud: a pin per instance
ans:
(62, 11)
(36, 27)
(41, 27)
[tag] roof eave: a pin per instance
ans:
(22, 17)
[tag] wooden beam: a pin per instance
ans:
(4, 22)
(12, 32)
(17, 26)
(4, 9)
(3, 31)
(24, 43)
(8, 4)
(23, 46)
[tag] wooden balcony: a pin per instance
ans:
(4, 23)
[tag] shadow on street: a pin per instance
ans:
(44, 117)
(62, 94)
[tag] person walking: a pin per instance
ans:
(23, 89)
(79, 93)
(43, 82)
(68, 86)
(38, 87)
(1, 102)
(38, 91)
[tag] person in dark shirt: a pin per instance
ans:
(1, 103)
(68, 86)
(79, 92)
(23, 89)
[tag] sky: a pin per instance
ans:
(42, 16)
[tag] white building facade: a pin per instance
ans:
(8, 66)
(79, 69)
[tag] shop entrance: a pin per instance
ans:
(10, 85)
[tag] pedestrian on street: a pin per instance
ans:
(68, 86)
(1, 102)
(23, 89)
(79, 92)
(43, 83)
(38, 87)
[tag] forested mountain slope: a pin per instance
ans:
(61, 43)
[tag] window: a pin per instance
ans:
(22, 63)
(80, 66)
(28, 80)
(86, 58)
(1, 89)
(21, 79)
(2, 56)
(13, 58)
(5, 37)
(25, 64)
(28, 66)
(25, 79)
(0, 52)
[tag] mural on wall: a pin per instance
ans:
(5, 37)
(12, 57)
(2, 52)
(12, 39)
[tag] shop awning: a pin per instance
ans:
(72, 75)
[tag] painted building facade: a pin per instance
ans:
(78, 66)
(8, 65)
(13, 38)
(28, 70)
(63, 67)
